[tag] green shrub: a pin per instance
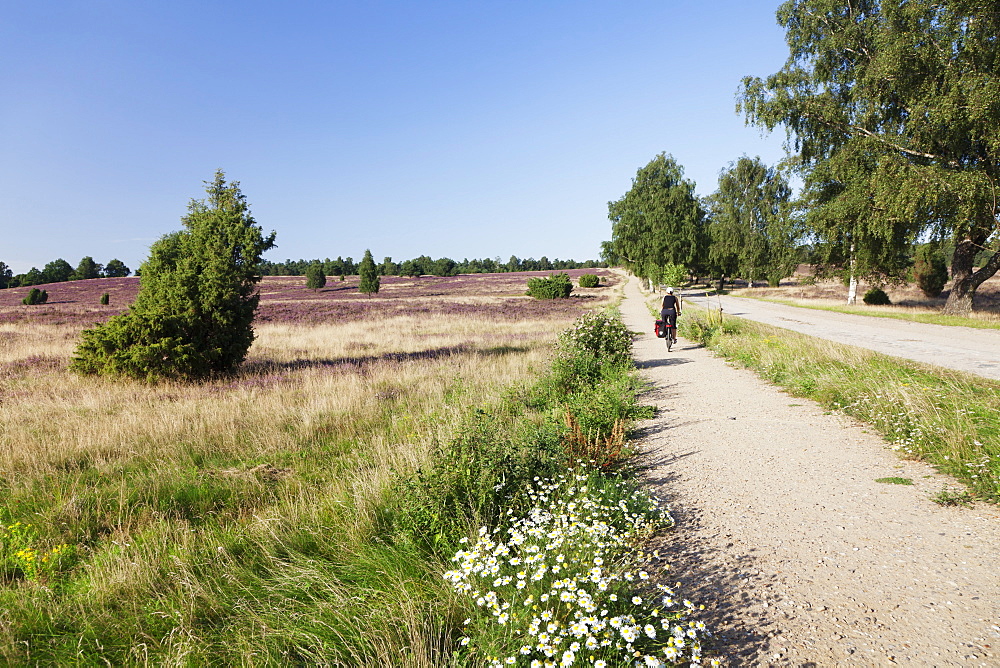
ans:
(35, 296)
(930, 270)
(556, 286)
(197, 297)
(876, 297)
(105, 299)
(315, 276)
(589, 280)
(807, 280)
(368, 275)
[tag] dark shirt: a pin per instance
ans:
(671, 302)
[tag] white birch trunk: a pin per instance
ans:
(852, 286)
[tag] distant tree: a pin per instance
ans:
(5, 275)
(368, 274)
(116, 269)
(315, 276)
(194, 312)
(410, 268)
(87, 269)
(57, 271)
(513, 264)
(444, 267)
(657, 221)
(33, 276)
(751, 225)
(388, 267)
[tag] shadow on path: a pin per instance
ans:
(668, 361)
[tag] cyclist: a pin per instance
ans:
(669, 310)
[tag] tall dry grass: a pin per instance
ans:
(240, 516)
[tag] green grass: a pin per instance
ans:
(895, 481)
(947, 418)
(302, 556)
(895, 312)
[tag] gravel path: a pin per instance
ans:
(964, 348)
(801, 558)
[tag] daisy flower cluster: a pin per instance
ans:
(564, 584)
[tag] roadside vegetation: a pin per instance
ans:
(305, 508)
(947, 418)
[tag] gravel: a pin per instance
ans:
(799, 556)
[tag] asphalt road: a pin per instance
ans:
(964, 348)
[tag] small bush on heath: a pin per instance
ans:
(556, 286)
(589, 280)
(876, 297)
(105, 299)
(35, 296)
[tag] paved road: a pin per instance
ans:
(964, 348)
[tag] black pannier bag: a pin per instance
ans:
(660, 328)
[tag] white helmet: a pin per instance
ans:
(670, 291)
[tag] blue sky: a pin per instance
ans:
(459, 129)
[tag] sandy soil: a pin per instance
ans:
(801, 558)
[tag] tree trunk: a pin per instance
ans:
(722, 284)
(852, 286)
(964, 279)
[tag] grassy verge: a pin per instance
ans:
(546, 525)
(947, 418)
(306, 511)
(912, 314)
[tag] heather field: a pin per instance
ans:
(286, 299)
(304, 510)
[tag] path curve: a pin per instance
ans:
(964, 348)
(801, 558)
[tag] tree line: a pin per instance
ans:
(425, 265)
(892, 123)
(60, 270)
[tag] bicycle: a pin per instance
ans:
(664, 330)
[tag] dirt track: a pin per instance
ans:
(782, 532)
(964, 348)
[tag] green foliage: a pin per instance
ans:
(876, 297)
(930, 270)
(589, 280)
(315, 276)
(194, 312)
(658, 221)
(5, 275)
(105, 299)
(674, 275)
(23, 557)
(35, 296)
(556, 286)
(87, 269)
(752, 232)
(57, 271)
(895, 103)
(487, 470)
(116, 269)
(368, 275)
